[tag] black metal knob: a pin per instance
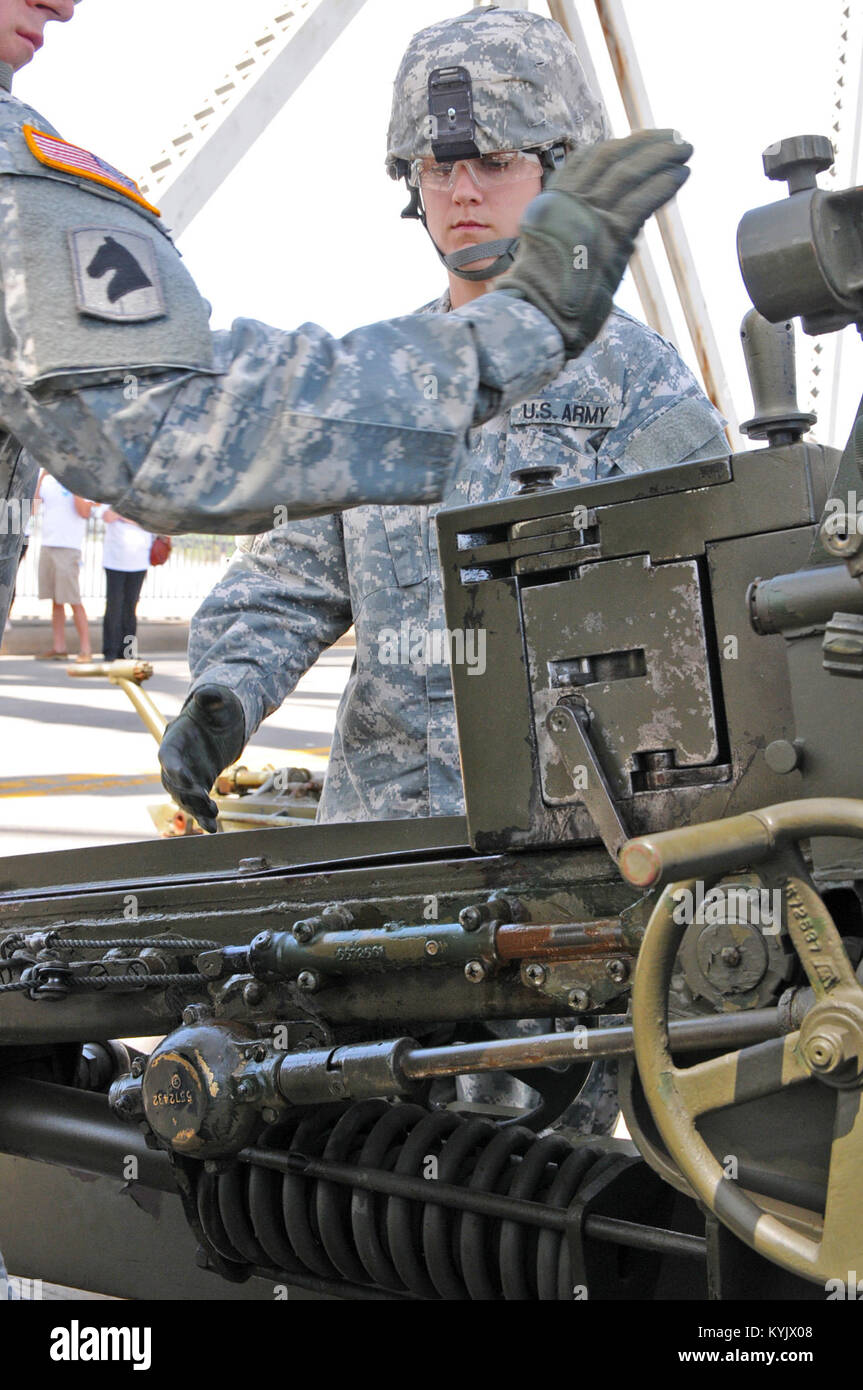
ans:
(534, 477)
(797, 160)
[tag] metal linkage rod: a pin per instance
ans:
(687, 1035)
(491, 1204)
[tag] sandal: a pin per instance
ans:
(52, 656)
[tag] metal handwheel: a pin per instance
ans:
(828, 1046)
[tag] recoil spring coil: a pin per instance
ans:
(305, 1225)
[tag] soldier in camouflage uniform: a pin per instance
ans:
(112, 380)
(627, 404)
(21, 24)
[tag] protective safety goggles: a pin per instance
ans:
(496, 170)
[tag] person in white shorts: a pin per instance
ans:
(126, 557)
(64, 524)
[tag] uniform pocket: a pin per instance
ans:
(565, 449)
(407, 537)
(386, 548)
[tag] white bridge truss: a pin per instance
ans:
(226, 124)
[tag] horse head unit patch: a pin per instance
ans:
(116, 274)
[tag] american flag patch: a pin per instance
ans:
(72, 159)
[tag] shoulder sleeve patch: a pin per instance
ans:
(72, 159)
(116, 275)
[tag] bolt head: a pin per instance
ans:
(475, 971)
(579, 1000)
(618, 971)
(302, 930)
(269, 1115)
(253, 992)
(823, 1052)
(253, 864)
(337, 915)
(841, 536)
(470, 918)
(432, 948)
(782, 756)
(307, 981)
(535, 974)
(262, 941)
(731, 955)
(246, 1088)
(193, 1013)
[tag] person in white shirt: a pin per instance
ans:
(64, 524)
(126, 556)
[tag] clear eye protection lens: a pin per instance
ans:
(488, 172)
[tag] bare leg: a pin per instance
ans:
(82, 628)
(58, 626)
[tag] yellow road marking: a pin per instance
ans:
(77, 782)
(73, 782)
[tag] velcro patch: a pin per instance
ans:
(580, 414)
(116, 274)
(72, 159)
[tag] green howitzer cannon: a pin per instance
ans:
(385, 1060)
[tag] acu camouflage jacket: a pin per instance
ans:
(627, 404)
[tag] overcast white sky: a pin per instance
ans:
(308, 227)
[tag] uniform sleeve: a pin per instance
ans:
(297, 420)
(278, 606)
(667, 418)
(111, 377)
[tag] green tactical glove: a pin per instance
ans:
(208, 735)
(577, 236)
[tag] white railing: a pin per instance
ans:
(195, 564)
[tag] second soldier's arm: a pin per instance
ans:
(276, 608)
(257, 632)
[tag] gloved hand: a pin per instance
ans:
(208, 735)
(577, 236)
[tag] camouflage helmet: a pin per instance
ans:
(527, 87)
(489, 80)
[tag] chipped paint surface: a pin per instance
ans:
(654, 609)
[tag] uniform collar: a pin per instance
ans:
(441, 305)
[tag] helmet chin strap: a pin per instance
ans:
(503, 250)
